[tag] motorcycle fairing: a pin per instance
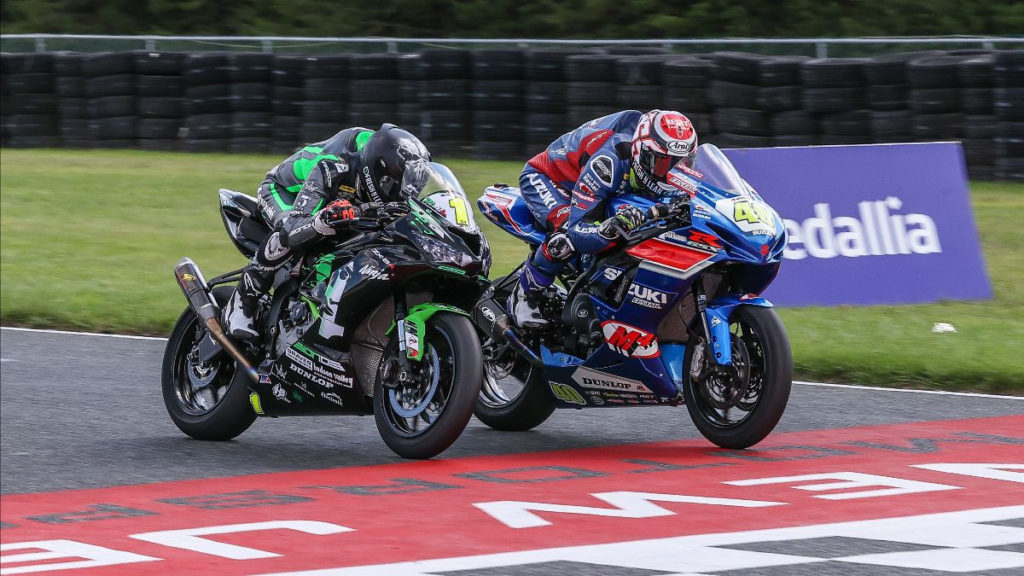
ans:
(504, 206)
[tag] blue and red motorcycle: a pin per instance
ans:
(671, 315)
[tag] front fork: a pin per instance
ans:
(713, 352)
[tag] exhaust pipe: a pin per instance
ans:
(192, 283)
(490, 317)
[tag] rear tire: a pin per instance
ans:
(207, 401)
(757, 400)
(421, 420)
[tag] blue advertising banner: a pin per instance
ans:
(878, 224)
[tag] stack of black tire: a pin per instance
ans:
(287, 75)
(374, 91)
(72, 115)
(976, 73)
(886, 95)
(639, 82)
(410, 73)
(592, 90)
(547, 105)
(1009, 108)
(685, 80)
(834, 94)
(208, 90)
(111, 86)
(325, 105)
(733, 93)
(252, 90)
(29, 101)
(160, 104)
(445, 114)
(497, 101)
(934, 97)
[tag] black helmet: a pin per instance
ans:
(385, 158)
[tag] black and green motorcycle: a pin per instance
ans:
(372, 322)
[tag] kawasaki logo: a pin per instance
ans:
(879, 231)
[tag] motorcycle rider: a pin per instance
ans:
(317, 191)
(568, 184)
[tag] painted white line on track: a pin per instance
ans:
(802, 383)
(67, 332)
(884, 389)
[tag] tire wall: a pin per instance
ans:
(507, 104)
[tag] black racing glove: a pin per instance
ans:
(623, 223)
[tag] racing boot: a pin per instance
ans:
(524, 301)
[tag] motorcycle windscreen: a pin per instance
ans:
(440, 190)
(713, 169)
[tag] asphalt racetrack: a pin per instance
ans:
(96, 479)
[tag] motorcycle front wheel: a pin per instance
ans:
(739, 407)
(422, 416)
(206, 400)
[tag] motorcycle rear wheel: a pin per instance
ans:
(205, 400)
(741, 411)
(422, 418)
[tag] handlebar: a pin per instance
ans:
(676, 211)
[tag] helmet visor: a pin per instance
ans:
(658, 165)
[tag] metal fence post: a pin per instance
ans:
(821, 49)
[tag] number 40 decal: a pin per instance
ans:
(748, 214)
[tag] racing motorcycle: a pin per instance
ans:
(671, 315)
(373, 321)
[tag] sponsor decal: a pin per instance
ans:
(602, 166)
(280, 394)
(589, 180)
(877, 230)
(332, 398)
(647, 297)
(679, 147)
(596, 380)
(629, 340)
(188, 277)
(412, 343)
(683, 183)
(299, 359)
(566, 393)
(370, 187)
(695, 173)
(488, 313)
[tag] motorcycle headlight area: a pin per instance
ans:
(442, 253)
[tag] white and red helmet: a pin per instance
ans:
(662, 139)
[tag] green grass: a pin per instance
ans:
(88, 240)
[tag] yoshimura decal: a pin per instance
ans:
(629, 340)
(878, 231)
(590, 378)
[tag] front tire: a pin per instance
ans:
(739, 411)
(422, 418)
(206, 400)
